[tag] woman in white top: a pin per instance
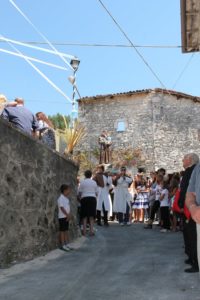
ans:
(88, 191)
(46, 130)
(122, 197)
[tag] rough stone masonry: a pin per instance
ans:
(164, 124)
(30, 177)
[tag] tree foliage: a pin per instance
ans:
(58, 121)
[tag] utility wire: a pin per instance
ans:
(131, 43)
(42, 35)
(189, 60)
(33, 59)
(38, 71)
(49, 43)
(31, 45)
(183, 71)
(6, 40)
(97, 45)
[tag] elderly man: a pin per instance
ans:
(20, 117)
(189, 226)
(193, 202)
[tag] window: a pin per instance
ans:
(121, 126)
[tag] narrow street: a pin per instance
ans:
(127, 263)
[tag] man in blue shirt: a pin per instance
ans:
(193, 202)
(20, 117)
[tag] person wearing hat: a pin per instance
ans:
(122, 197)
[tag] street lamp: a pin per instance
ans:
(74, 63)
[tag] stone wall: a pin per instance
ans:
(176, 130)
(165, 126)
(30, 177)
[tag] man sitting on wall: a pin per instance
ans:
(20, 117)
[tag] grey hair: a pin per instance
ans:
(194, 158)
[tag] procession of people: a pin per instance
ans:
(151, 200)
(107, 195)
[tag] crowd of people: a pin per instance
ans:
(157, 200)
(127, 200)
(173, 200)
(38, 126)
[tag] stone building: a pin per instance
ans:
(164, 124)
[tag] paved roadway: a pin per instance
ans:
(121, 263)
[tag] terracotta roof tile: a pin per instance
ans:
(144, 91)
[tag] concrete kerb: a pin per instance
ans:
(39, 262)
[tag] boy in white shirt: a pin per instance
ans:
(64, 216)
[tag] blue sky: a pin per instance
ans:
(102, 70)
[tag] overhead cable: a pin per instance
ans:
(40, 72)
(183, 71)
(28, 45)
(37, 30)
(33, 59)
(131, 43)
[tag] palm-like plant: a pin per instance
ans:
(71, 135)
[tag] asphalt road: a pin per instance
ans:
(119, 263)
